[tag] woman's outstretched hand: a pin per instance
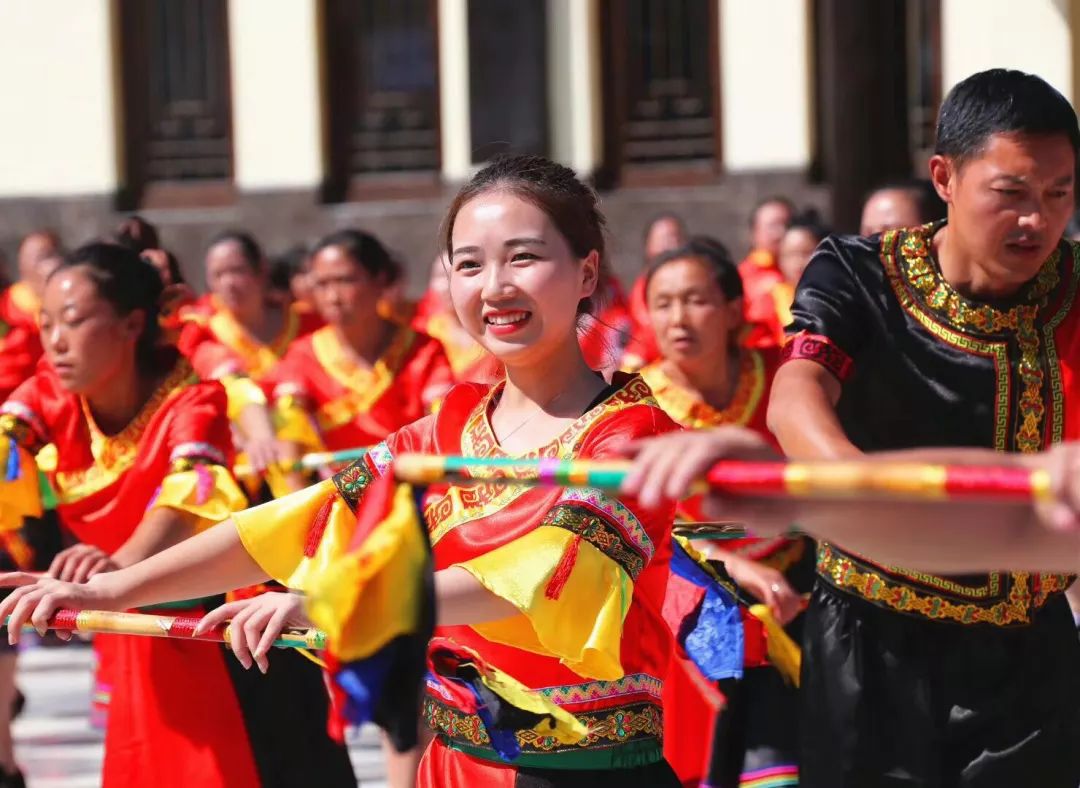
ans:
(256, 624)
(37, 597)
(667, 467)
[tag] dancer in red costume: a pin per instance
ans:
(143, 452)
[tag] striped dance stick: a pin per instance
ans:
(312, 461)
(824, 480)
(181, 627)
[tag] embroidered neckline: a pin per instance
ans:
(257, 355)
(339, 364)
(478, 437)
(921, 272)
(688, 409)
(114, 454)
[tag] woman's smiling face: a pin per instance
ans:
(514, 281)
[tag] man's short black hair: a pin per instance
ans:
(1001, 101)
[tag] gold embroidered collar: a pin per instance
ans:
(115, 454)
(687, 408)
(920, 271)
(478, 438)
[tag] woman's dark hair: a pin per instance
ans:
(249, 248)
(285, 266)
(810, 221)
(176, 275)
(713, 255)
(138, 234)
(554, 189)
(367, 251)
(1001, 101)
(128, 283)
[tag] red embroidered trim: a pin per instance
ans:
(815, 347)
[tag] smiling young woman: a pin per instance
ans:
(560, 589)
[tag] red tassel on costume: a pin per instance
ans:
(318, 526)
(562, 571)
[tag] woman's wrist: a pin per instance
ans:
(111, 590)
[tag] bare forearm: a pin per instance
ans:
(802, 414)
(462, 599)
(160, 529)
(209, 563)
(945, 538)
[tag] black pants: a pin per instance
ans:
(890, 700)
(285, 713)
(758, 728)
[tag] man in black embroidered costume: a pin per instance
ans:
(958, 333)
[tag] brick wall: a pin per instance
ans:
(407, 226)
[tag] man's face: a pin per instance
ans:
(1010, 204)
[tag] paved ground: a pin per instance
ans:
(58, 748)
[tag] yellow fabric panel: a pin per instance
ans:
(241, 392)
(22, 497)
(368, 597)
(784, 653)
(187, 491)
(583, 626)
(275, 534)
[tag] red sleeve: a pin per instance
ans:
(20, 349)
(418, 437)
(210, 359)
(609, 439)
(199, 428)
(35, 404)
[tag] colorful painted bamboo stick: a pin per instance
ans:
(830, 480)
(312, 461)
(181, 627)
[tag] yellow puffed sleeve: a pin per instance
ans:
(582, 626)
(572, 580)
(207, 491)
(297, 537)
